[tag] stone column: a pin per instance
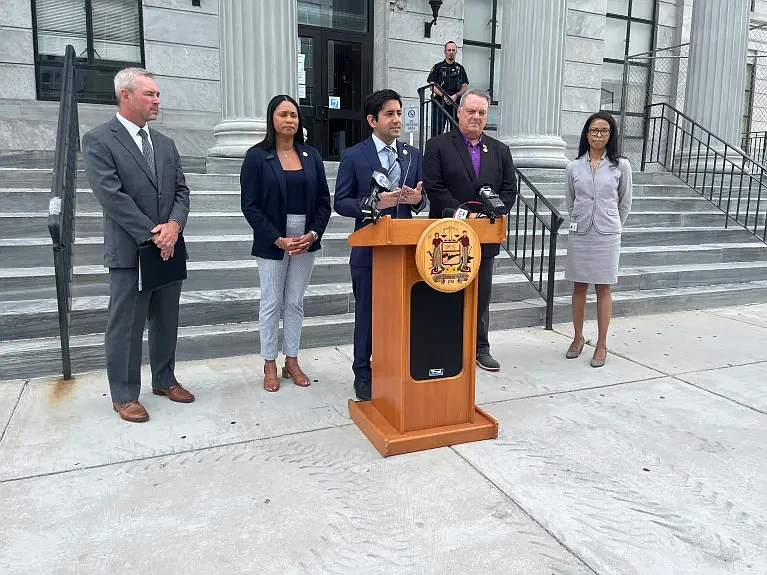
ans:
(258, 47)
(531, 68)
(716, 73)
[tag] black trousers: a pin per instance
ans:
(362, 286)
(484, 293)
(438, 117)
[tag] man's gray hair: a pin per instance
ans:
(476, 92)
(125, 79)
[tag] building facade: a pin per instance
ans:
(548, 64)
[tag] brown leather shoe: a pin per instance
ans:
(175, 393)
(131, 411)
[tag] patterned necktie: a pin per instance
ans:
(394, 168)
(146, 148)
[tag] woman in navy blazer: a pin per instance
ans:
(285, 198)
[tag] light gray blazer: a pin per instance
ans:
(133, 202)
(602, 199)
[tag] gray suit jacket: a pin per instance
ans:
(601, 199)
(133, 202)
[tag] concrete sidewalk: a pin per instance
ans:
(655, 464)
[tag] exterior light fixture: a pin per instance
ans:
(435, 6)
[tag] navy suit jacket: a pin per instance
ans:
(264, 198)
(353, 183)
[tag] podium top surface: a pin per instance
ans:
(405, 232)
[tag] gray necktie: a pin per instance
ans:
(394, 168)
(146, 148)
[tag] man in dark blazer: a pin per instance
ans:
(402, 163)
(135, 173)
(455, 165)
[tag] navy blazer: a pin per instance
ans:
(264, 198)
(353, 183)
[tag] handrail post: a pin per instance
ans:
(551, 272)
(61, 211)
(646, 135)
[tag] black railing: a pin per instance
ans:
(526, 228)
(732, 181)
(527, 243)
(61, 209)
(433, 109)
(754, 144)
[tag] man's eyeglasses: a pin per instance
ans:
(598, 132)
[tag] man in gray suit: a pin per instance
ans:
(135, 173)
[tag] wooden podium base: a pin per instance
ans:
(388, 441)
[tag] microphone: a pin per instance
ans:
(491, 200)
(402, 181)
(379, 183)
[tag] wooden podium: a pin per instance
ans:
(415, 406)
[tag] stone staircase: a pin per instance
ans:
(676, 255)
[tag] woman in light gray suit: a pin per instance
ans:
(598, 194)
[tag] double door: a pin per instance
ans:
(334, 79)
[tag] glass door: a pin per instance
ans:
(334, 74)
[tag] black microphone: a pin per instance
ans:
(490, 200)
(448, 212)
(379, 183)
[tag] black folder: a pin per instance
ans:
(153, 272)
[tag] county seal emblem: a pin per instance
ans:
(448, 254)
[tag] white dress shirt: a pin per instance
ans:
(383, 154)
(133, 131)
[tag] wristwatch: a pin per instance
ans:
(315, 234)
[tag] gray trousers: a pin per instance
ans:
(128, 312)
(283, 284)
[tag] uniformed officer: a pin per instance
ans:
(449, 81)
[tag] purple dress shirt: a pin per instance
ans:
(474, 153)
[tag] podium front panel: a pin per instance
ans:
(436, 332)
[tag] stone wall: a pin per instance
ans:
(584, 51)
(181, 46)
(410, 55)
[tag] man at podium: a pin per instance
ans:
(456, 164)
(401, 164)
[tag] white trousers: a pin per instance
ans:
(283, 284)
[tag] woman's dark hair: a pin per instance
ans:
(270, 140)
(612, 142)
(374, 103)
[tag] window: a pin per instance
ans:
(481, 50)
(350, 15)
(106, 35)
(629, 31)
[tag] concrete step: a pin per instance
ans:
(639, 190)
(34, 318)
(42, 178)
(32, 283)
(35, 225)
(37, 252)
(547, 175)
(35, 200)
(38, 357)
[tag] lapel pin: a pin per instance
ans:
(404, 152)
(484, 149)
(305, 155)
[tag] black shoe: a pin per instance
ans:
(487, 361)
(363, 390)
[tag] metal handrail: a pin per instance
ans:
(684, 138)
(524, 255)
(61, 208)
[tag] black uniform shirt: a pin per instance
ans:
(448, 77)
